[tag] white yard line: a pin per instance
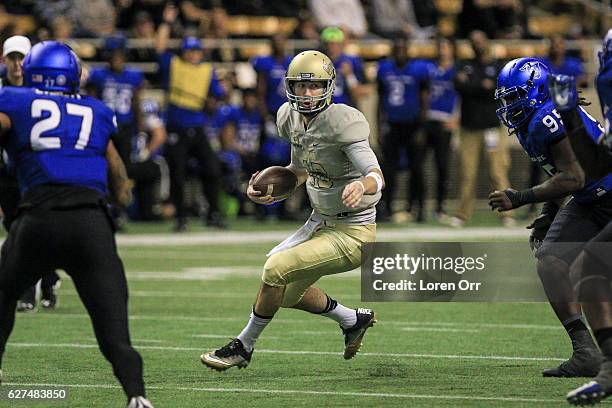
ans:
(251, 237)
(439, 329)
(299, 392)
(305, 352)
(403, 323)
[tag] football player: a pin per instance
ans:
(590, 272)
(528, 111)
(330, 152)
(60, 144)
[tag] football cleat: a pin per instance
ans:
(585, 362)
(231, 355)
(353, 336)
(588, 394)
(25, 306)
(139, 402)
(48, 299)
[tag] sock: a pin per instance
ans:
(343, 315)
(251, 332)
(578, 333)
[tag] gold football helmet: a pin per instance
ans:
(310, 66)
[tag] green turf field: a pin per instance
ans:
(186, 299)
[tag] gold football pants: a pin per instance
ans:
(332, 249)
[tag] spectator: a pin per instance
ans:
(143, 29)
(349, 69)
(560, 63)
(441, 117)
(475, 81)
(347, 14)
(189, 81)
(396, 18)
(306, 28)
(403, 88)
(497, 18)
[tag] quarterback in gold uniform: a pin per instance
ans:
(330, 152)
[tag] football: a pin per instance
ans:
(277, 181)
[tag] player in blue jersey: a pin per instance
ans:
(562, 64)
(60, 144)
(527, 110)
(590, 273)
(349, 68)
(245, 136)
(441, 118)
(403, 88)
(119, 87)
(146, 166)
(271, 75)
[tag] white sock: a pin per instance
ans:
(249, 335)
(343, 315)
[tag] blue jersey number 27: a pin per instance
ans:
(40, 142)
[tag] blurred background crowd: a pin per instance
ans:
(196, 84)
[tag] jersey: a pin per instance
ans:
(117, 90)
(400, 88)
(273, 72)
(341, 94)
(443, 96)
(152, 119)
(215, 122)
(603, 83)
(321, 150)
(570, 66)
(249, 127)
(545, 129)
(57, 139)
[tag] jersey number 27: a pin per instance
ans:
(40, 142)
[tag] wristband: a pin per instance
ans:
(378, 179)
(519, 198)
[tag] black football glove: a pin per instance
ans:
(539, 228)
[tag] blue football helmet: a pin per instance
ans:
(606, 49)
(521, 88)
(52, 66)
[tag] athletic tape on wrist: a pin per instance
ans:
(378, 179)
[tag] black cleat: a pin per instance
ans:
(353, 336)
(230, 355)
(585, 362)
(48, 298)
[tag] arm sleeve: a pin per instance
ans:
(362, 156)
